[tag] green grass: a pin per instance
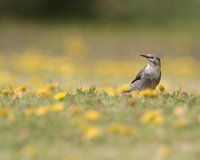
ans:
(53, 135)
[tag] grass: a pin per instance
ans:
(47, 110)
(63, 134)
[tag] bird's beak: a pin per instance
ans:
(144, 55)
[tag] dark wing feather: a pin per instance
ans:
(159, 77)
(138, 77)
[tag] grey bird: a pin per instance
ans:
(149, 77)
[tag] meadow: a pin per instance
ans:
(60, 93)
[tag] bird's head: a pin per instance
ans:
(153, 60)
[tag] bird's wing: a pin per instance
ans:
(159, 77)
(139, 75)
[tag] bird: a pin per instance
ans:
(149, 77)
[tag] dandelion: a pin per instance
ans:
(161, 88)
(79, 122)
(109, 91)
(198, 117)
(11, 117)
(52, 86)
(74, 109)
(92, 115)
(179, 111)
(7, 113)
(40, 111)
(20, 90)
(121, 129)
(181, 122)
(132, 101)
(163, 152)
(29, 111)
(6, 92)
(60, 96)
(31, 151)
(75, 46)
(4, 112)
(57, 107)
(122, 88)
(134, 94)
(44, 92)
(154, 117)
(73, 157)
(92, 132)
(148, 93)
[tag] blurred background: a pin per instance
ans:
(81, 43)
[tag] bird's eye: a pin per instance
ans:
(151, 57)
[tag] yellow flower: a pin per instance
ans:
(7, 113)
(44, 92)
(109, 91)
(198, 117)
(160, 88)
(179, 111)
(92, 115)
(20, 90)
(154, 117)
(148, 93)
(164, 151)
(134, 94)
(40, 111)
(4, 112)
(29, 111)
(31, 151)
(57, 107)
(47, 91)
(74, 109)
(11, 117)
(121, 129)
(6, 91)
(79, 122)
(122, 88)
(52, 86)
(73, 157)
(75, 46)
(92, 132)
(60, 96)
(181, 122)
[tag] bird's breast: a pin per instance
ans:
(152, 73)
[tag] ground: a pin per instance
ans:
(90, 124)
(61, 93)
